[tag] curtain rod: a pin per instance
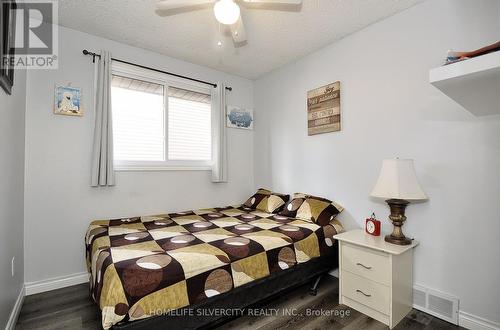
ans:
(94, 55)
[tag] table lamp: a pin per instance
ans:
(398, 185)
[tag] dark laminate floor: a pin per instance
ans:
(72, 308)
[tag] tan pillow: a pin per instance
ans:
(267, 201)
(312, 208)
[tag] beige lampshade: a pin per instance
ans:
(398, 180)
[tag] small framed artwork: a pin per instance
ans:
(323, 109)
(68, 101)
(238, 117)
(7, 43)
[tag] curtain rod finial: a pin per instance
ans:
(86, 52)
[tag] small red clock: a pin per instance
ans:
(372, 226)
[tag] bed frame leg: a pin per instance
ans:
(314, 289)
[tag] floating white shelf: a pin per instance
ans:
(474, 83)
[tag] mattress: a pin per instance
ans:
(151, 265)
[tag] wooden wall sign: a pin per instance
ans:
(323, 109)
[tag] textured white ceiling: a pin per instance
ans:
(275, 38)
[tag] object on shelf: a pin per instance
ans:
(454, 56)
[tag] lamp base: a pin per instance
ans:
(397, 218)
(398, 240)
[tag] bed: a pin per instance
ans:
(142, 269)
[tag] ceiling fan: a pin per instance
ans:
(227, 12)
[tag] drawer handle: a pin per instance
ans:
(366, 267)
(366, 295)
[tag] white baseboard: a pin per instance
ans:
(11, 323)
(473, 322)
(55, 283)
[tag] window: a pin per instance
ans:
(158, 122)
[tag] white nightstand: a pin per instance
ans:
(375, 277)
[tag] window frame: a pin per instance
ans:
(132, 72)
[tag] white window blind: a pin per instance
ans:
(149, 133)
(189, 125)
(138, 120)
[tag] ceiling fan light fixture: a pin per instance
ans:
(226, 12)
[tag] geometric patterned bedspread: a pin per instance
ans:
(143, 266)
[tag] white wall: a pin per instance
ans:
(12, 110)
(389, 109)
(59, 200)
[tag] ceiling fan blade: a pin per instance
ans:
(284, 2)
(176, 4)
(238, 32)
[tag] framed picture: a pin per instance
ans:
(238, 117)
(7, 43)
(323, 109)
(68, 101)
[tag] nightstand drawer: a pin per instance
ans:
(371, 264)
(369, 293)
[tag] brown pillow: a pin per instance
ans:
(312, 208)
(267, 201)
